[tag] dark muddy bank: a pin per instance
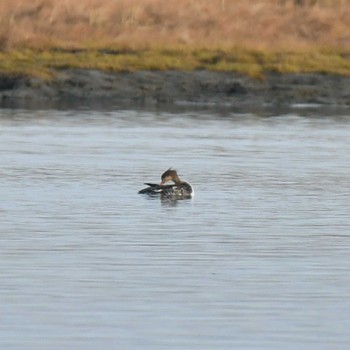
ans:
(169, 87)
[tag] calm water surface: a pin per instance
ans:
(259, 259)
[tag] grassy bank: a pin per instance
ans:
(264, 24)
(254, 63)
(250, 37)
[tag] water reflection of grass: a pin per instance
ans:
(255, 63)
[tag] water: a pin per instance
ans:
(259, 259)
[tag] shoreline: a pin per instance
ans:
(174, 87)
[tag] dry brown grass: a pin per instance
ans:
(246, 36)
(291, 25)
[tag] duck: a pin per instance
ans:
(177, 190)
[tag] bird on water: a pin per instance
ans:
(177, 190)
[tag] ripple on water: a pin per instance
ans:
(257, 259)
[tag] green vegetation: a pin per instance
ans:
(254, 63)
(251, 37)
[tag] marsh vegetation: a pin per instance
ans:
(250, 37)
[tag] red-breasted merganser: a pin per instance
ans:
(178, 190)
